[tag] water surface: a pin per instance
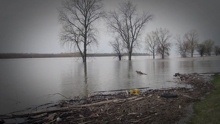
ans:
(30, 82)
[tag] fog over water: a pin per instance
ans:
(32, 26)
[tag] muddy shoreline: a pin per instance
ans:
(125, 106)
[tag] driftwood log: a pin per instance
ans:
(139, 72)
(63, 109)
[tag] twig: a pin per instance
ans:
(140, 98)
(108, 101)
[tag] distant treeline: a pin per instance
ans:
(37, 55)
(34, 55)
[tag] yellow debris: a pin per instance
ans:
(135, 92)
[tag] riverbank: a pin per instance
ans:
(125, 106)
(208, 110)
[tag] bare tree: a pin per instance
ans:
(163, 36)
(208, 46)
(77, 18)
(192, 38)
(151, 42)
(217, 50)
(201, 49)
(128, 24)
(183, 46)
(117, 47)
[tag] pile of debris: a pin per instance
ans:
(147, 106)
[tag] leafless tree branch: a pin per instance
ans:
(163, 36)
(192, 38)
(117, 47)
(128, 24)
(183, 46)
(151, 43)
(77, 18)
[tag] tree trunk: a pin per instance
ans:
(163, 53)
(84, 57)
(163, 56)
(119, 57)
(129, 55)
(85, 44)
(85, 72)
(153, 55)
(192, 53)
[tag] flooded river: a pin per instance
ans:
(30, 82)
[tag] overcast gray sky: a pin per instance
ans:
(31, 26)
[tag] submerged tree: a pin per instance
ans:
(128, 24)
(192, 38)
(201, 49)
(77, 18)
(163, 36)
(151, 43)
(208, 46)
(205, 48)
(183, 46)
(217, 50)
(117, 47)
